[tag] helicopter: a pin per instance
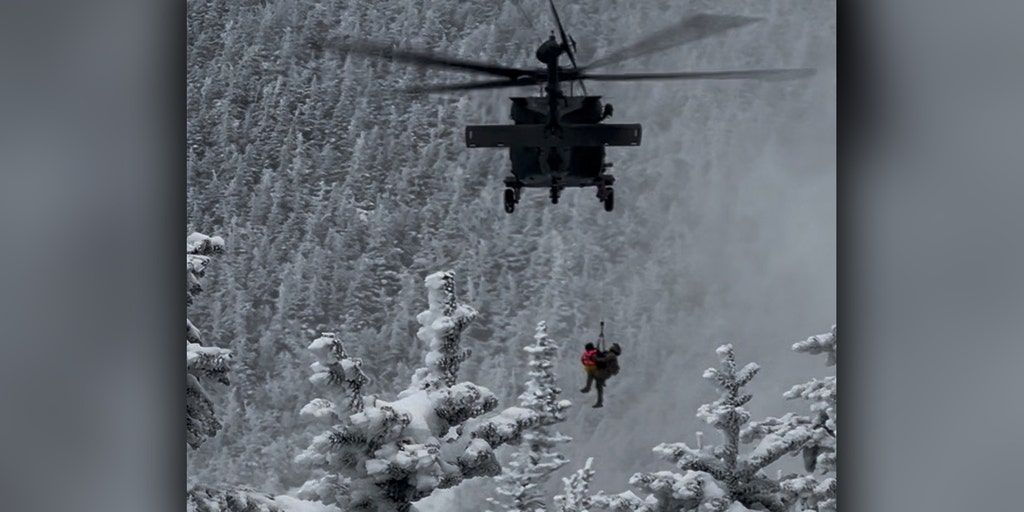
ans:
(559, 140)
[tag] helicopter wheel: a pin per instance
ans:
(554, 195)
(609, 200)
(510, 200)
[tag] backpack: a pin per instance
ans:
(589, 358)
(609, 366)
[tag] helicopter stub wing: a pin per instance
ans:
(538, 135)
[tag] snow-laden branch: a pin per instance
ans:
(820, 344)
(576, 489)
(335, 368)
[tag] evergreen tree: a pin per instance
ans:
(522, 481)
(383, 455)
(808, 491)
(576, 497)
(201, 498)
(716, 478)
(202, 363)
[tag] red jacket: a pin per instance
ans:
(589, 357)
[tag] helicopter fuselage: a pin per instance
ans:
(556, 142)
(568, 151)
(554, 165)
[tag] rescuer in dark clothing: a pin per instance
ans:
(607, 366)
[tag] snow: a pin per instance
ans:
(196, 266)
(200, 243)
(322, 345)
(195, 352)
(423, 421)
(737, 507)
(320, 378)
(425, 481)
(435, 281)
(319, 408)
(442, 500)
(376, 466)
(747, 373)
(292, 504)
(192, 332)
(773, 446)
(818, 344)
(477, 447)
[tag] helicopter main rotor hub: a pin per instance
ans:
(549, 52)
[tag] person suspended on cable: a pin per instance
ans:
(589, 361)
(600, 365)
(607, 367)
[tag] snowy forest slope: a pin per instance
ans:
(337, 195)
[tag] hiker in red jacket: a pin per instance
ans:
(589, 360)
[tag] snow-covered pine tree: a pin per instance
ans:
(381, 456)
(717, 478)
(201, 498)
(577, 487)
(201, 362)
(524, 477)
(808, 492)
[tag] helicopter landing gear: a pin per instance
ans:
(606, 195)
(510, 201)
(512, 193)
(555, 194)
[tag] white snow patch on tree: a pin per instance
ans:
(292, 504)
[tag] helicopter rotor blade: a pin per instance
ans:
(561, 32)
(432, 60)
(569, 50)
(469, 86)
(756, 74)
(690, 29)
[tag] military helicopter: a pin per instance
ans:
(559, 140)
